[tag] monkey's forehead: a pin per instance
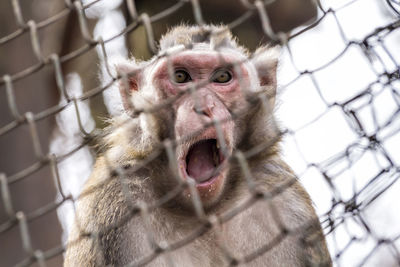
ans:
(201, 48)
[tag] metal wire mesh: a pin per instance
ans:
(386, 79)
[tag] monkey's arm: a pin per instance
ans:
(100, 205)
(106, 232)
(83, 246)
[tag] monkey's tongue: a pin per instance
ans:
(201, 160)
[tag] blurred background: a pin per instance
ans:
(338, 103)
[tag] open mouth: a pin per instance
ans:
(203, 161)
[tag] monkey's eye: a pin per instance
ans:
(222, 76)
(181, 76)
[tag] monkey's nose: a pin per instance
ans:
(205, 106)
(205, 111)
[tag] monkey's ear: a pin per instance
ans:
(130, 75)
(265, 59)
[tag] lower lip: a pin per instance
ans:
(203, 185)
(207, 183)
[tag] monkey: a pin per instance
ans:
(191, 172)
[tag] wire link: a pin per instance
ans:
(18, 14)
(373, 47)
(11, 98)
(5, 196)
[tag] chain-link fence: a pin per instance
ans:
(338, 103)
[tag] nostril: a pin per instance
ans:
(202, 111)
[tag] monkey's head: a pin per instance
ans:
(205, 88)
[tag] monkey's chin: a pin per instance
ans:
(210, 190)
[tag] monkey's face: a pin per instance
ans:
(208, 90)
(203, 123)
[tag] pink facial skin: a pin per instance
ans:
(214, 99)
(201, 67)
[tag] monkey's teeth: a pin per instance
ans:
(218, 146)
(215, 157)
